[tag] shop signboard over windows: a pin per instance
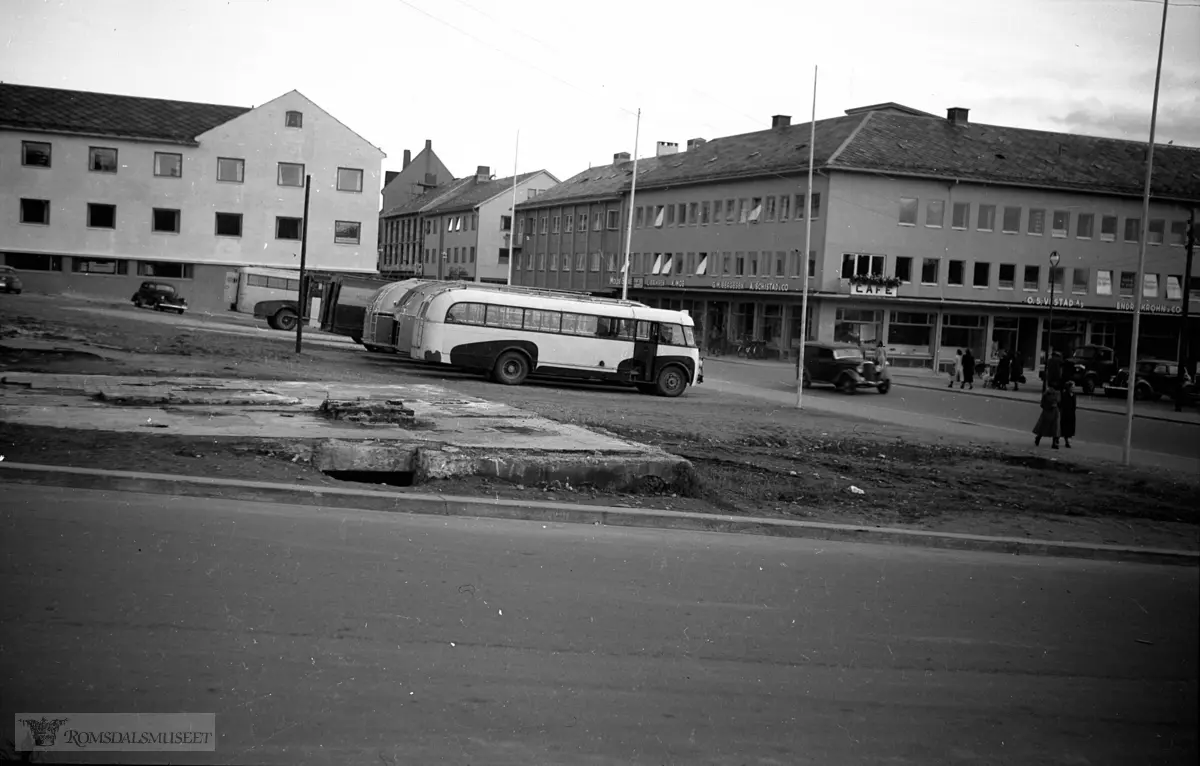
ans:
(754, 284)
(1150, 308)
(1063, 303)
(872, 291)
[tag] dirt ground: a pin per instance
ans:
(750, 458)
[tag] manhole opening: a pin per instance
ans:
(390, 478)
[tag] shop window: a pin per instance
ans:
(964, 331)
(33, 261)
(99, 266)
(164, 269)
(1079, 280)
(956, 275)
(903, 268)
(1104, 282)
(930, 271)
(1007, 276)
(857, 326)
(1104, 334)
(910, 334)
(1033, 278)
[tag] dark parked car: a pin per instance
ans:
(1156, 378)
(160, 296)
(1088, 367)
(843, 365)
(9, 281)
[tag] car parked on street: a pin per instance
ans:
(1156, 379)
(1088, 367)
(160, 296)
(842, 365)
(9, 281)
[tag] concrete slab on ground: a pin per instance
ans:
(448, 434)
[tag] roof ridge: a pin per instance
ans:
(123, 95)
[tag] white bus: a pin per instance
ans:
(512, 333)
(257, 284)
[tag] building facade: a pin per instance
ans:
(99, 192)
(928, 234)
(418, 176)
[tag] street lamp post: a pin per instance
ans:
(1050, 328)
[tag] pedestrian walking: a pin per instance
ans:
(1048, 423)
(1066, 409)
(1054, 370)
(956, 374)
(1003, 370)
(968, 370)
(1017, 369)
(880, 354)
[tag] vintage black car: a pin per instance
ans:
(844, 366)
(160, 296)
(1156, 378)
(9, 281)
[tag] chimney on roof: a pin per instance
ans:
(957, 115)
(428, 144)
(483, 174)
(665, 148)
(407, 158)
(389, 176)
(695, 142)
(781, 120)
(620, 157)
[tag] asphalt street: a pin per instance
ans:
(336, 636)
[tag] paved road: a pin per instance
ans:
(355, 637)
(973, 408)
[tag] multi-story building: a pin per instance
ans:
(929, 234)
(100, 191)
(404, 254)
(418, 176)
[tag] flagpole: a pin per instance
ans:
(1127, 451)
(512, 224)
(812, 138)
(637, 134)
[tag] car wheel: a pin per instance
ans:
(1140, 393)
(511, 368)
(138, 303)
(286, 319)
(846, 385)
(1089, 386)
(885, 386)
(672, 381)
(179, 312)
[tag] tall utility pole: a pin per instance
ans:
(1127, 451)
(303, 302)
(1185, 334)
(637, 134)
(812, 140)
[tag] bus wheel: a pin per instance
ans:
(285, 319)
(671, 381)
(511, 368)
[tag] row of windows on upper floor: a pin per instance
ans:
(554, 224)
(169, 221)
(103, 159)
(1036, 219)
(783, 207)
(451, 254)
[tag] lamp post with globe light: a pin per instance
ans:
(1050, 327)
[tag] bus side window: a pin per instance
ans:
(456, 313)
(645, 330)
(606, 327)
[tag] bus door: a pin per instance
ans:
(645, 348)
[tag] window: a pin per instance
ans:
(785, 208)
(506, 222)
(579, 324)
(1157, 231)
(731, 211)
(1083, 225)
(33, 261)
(1174, 287)
(165, 220)
(935, 213)
(229, 224)
(545, 226)
(1178, 233)
(614, 219)
(956, 275)
(293, 119)
(1058, 278)
(1149, 285)
(930, 271)
(596, 222)
(904, 268)
(772, 210)
(102, 159)
(287, 228)
(1033, 278)
(862, 264)
(168, 165)
(581, 223)
(231, 170)
(987, 218)
(982, 276)
(1108, 228)
(639, 218)
(911, 329)
(1007, 276)
(594, 260)
(290, 174)
(908, 209)
(569, 221)
(1060, 224)
(815, 211)
(101, 216)
(99, 266)
(1012, 220)
(1104, 282)
(164, 269)
(35, 154)
(472, 258)
(1133, 229)
(1080, 277)
(35, 211)
(554, 224)
(961, 215)
(349, 179)
(553, 262)
(346, 232)
(1128, 280)
(1037, 221)
(692, 213)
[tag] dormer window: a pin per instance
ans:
(294, 120)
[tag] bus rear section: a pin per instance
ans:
(512, 336)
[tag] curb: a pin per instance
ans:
(496, 508)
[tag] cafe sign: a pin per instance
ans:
(872, 291)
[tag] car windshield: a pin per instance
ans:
(1085, 353)
(1146, 368)
(847, 353)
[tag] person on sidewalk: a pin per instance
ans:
(1048, 423)
(956, 375)
(880, 354)
(1054, 370)
(1017, 370)
(1066, 409)
(1003, 367)
(968, 370)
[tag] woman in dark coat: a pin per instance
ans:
(1049, 424)
(968, 370)
(1003, 365)
(1066, 408)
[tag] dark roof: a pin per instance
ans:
(893, 139)
(473, 193)
(424, 201)
(25, 107)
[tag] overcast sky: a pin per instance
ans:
(468, 74)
